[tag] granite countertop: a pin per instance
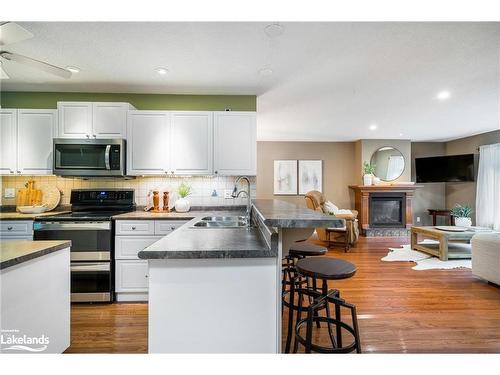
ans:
(280, 214)
(200, 243)
(192, 243)
(14, 252)
(148, 215)
(20, 216)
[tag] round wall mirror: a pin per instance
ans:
(389, 163)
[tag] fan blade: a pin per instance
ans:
(11, 32)
(52, 69)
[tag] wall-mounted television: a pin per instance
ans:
(455, 168)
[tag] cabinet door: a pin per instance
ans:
(8, 121)
(127, 247)
(148, 147)
(131, 276)
(75, 119)
(235, 143)
(109, 120)
(35, 131)
(192, 142)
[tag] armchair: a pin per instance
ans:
(347, 236)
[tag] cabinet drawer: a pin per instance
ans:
(135, 227)
(131, 276)
(163, 227)
(16, 228)
(128, 247)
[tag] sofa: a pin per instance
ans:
(347, 236)
(486, 256)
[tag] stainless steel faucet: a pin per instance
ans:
(237, 193)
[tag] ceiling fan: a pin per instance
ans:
(11, 33)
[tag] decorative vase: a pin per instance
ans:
(182, 205)
(463, 222)
(367, 179)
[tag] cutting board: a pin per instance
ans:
(29, 196)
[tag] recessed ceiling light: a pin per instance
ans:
(162, 71)
(373, 127)
(73, 69)
(443, 95)
(265, 71)
(273, 30)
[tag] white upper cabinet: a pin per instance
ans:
(109, 120)
(192, 143)
(35, 131)
(92, 119)
(26, 141)
(75, 119)
(235, 143)
(8, 123)
(148, 147)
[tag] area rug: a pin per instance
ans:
(424, 261)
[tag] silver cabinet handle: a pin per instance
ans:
(9, 228)
(146, 276)
(133, 228)
(11, 171)
(88, 135)
(172, 228)
(216, 172)
(18, 171)
(95, 136)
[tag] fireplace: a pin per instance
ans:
(387, 210)
(384, 210)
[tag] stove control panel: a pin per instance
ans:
(99, 196)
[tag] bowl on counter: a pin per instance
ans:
(32, 209)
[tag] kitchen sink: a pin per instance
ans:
(223, 218)
(221, 222)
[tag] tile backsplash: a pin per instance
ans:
(202, 187)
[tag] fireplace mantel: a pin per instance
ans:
(362, 200)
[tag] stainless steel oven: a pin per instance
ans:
(90, 228)
(89, 157)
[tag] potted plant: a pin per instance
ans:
(182, 204)
(368, 171)
(461, 213)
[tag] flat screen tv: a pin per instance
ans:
(455, 168)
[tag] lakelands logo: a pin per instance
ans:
(13, 341)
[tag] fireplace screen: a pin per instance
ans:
(387, 210)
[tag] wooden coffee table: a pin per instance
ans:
(445, 249)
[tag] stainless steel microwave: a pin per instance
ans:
(89, 157)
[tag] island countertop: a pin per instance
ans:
(280, 214)
(14, 252)
(189, 242)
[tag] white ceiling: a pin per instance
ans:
(330, 81)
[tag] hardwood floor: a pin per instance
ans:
(399, 310)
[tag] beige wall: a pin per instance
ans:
(339, 168)
(369, 146)
(430, 195)
(465, 192)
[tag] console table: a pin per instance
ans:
(441, 212)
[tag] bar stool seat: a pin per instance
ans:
(326, 268)
(306, 249)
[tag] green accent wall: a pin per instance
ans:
(48, 100)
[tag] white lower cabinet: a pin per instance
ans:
(16, 230)
(132, 236)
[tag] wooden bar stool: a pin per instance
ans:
(323, 269)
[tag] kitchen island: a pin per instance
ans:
(217, 289)
(34, 296)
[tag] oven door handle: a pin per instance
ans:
(107, 157)
(89, 267)
(62, 226)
